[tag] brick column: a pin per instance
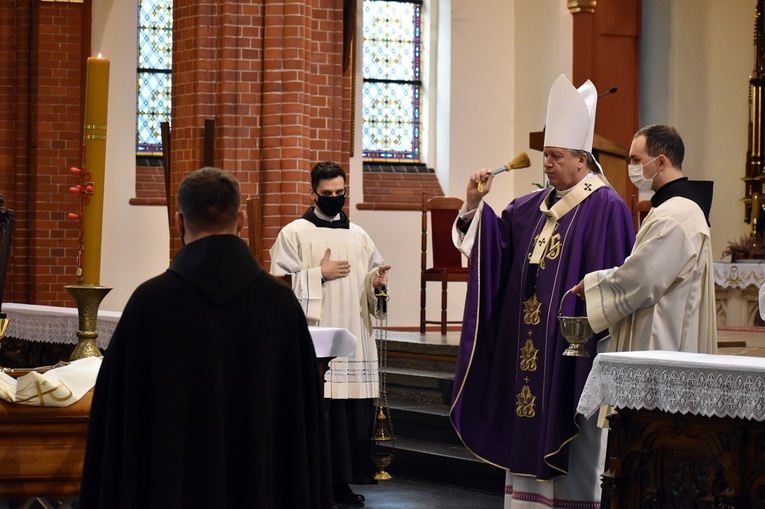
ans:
(270, 73)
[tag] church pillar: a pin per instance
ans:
(269, 72)
(606, 51)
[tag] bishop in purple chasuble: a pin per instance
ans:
(515, 394)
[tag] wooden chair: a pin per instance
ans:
(447, 259)
(254, 222)
(640, 209)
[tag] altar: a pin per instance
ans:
(737, 287)
(689, 429)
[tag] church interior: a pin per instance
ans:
(266, 88)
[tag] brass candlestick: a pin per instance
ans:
(4, 321)
(88, 299)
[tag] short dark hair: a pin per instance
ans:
(326, 170)
(576, 152)
(663, 139)
(209, 199)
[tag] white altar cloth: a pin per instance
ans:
(333, 342)
(50, 324)
(677, 382)
(740, 274)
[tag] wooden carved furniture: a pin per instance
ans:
(689, 429)
(737, 288)
(42, 449)
(447, 259)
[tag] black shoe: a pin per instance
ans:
(343, 494)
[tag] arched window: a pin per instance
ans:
(392, 88)
(155, 62)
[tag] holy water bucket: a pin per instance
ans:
(576, 330)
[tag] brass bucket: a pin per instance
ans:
(576, 330)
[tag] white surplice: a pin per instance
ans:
(662, 297)
(347, 302)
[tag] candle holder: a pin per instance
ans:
(88, 299)
(4, 321)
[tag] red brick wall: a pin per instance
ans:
(14, 138)
(57, 140)
(44, 47)
(270, 73)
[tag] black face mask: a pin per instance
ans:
(330, 205)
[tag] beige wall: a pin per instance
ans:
(696, 61)
(135, 243)
(695, 77)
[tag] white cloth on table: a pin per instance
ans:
(677, 382)
(741, 274)
(51, 324)
(332, 342)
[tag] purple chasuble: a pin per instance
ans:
(515, 394)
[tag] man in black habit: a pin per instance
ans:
(209, 394)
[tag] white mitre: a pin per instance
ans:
(571, 115)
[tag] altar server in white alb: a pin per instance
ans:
(662, 297)
(335, 269)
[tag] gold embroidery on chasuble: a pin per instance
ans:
(532, 311)
(529, 356)
(526, 403)
(554, 249)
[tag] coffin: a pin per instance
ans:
(42, 449)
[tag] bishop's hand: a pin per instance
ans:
(478, 186)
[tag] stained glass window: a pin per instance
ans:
(155, 45)
(392, 81)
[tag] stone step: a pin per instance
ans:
(419, 385)
(419, 376)
(422, 422)
(443, 464)
(414, 350)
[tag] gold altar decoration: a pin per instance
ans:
(88, 299)
(4, 321)
(754, 179)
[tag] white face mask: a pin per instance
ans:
(637, 178)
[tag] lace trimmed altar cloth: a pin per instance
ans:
(740, 274)
(50, 324)
(677, 382)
